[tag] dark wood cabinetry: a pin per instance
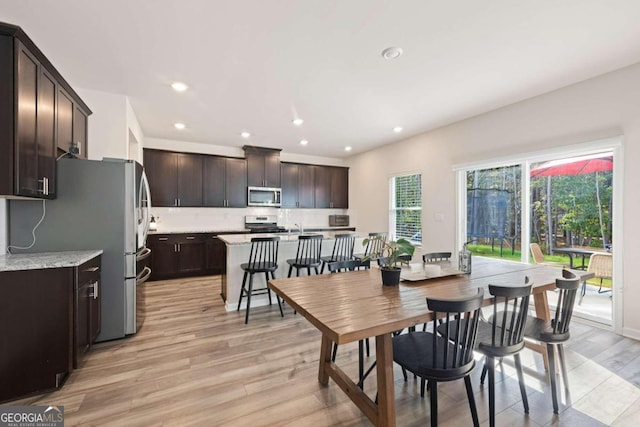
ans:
(263, 166)
(182, 255)
(224, 182)
(331, 187)
(36, 315)
(72, 126)
(175, 179)
(298, 185)
(87, 308)
(30, 127)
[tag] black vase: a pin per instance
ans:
(390, 276)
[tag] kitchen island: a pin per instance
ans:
(238, 247)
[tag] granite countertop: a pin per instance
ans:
(37, 261)
(212, 230)
(245, 239)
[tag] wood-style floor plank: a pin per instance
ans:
(193, 363)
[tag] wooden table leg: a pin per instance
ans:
(325, 358)
(384, 371)
(542, 311)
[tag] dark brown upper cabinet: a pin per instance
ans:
(175, 179)
(30, 90)
(263, 166)
(331, 187)
(298, 185)
(72, 126)
(224, 182)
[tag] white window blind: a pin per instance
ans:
(405, 217)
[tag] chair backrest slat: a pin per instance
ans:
(343, 246)
(309, 248)
(568, 287)
(510, 305)
(264, 250)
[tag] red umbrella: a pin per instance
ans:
(574, 166)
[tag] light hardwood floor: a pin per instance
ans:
(193, 363)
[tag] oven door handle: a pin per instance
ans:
(143, 254)
(143, 276)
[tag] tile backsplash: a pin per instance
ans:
(220, 219)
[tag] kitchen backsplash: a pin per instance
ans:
(214, 219)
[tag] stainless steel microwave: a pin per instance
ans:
(264, 196)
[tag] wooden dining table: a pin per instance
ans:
(348, 307)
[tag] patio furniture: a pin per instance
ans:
(556, 331)
(538, 257)
(601, 265)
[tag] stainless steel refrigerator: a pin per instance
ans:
(100, 205)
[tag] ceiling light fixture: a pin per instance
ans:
(392, 53)
(347, 148)
(179, 86)
(297, 122)
(179, 126)
(304, 142)
(397, 129)
(245, 135)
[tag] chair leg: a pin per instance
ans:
(434, 403)
(483, 376)
(335, 352)
(242, 290)
(273, 276)
(563, 366)
(322, 268)
(404, 374)
(246, 316)
(360, 362)
(472, 401)
(491, 368)
(266, 282)
(423, 385)
(523, 390)
(308, 271)
(290, 270)
(367, 344)
(552, 377)
(316, 269)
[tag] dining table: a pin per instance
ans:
(351, 306)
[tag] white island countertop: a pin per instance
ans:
(37, 261)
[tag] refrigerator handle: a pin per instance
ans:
(145, 188)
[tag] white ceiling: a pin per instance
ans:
(257, 64)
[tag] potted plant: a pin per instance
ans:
(391, 255)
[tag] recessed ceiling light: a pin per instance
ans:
(179, 126)
(392, 53)
(347, 148)
(245, 135)
(297, 122)
(304, 142)
(179, 86)
(397, 129)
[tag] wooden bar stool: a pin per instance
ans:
(263, 258)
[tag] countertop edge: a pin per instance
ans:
(46, 260)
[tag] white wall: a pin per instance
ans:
(597, 108)
(108, 127)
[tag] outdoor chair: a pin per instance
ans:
(556, 331)
(602, 266)
(436, 358)
(538, 257)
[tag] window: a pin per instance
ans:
(405, 216)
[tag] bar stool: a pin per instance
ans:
(374, 247)
(263, 258)
(307, 255)
(342, 250)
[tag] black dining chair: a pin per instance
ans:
(555, 332)
(307, 254)
(263, 258)
(341, 267)
(436, 257)
(448, 357)
(342, 250)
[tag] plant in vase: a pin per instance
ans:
(390, 257)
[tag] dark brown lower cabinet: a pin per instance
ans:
(184, 255)
(87, 308)
(36, 333)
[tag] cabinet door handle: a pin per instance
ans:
(190, 237)
(178, 247)
(94, 294)
(46, 186)
(162, 239)
(92, 269)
